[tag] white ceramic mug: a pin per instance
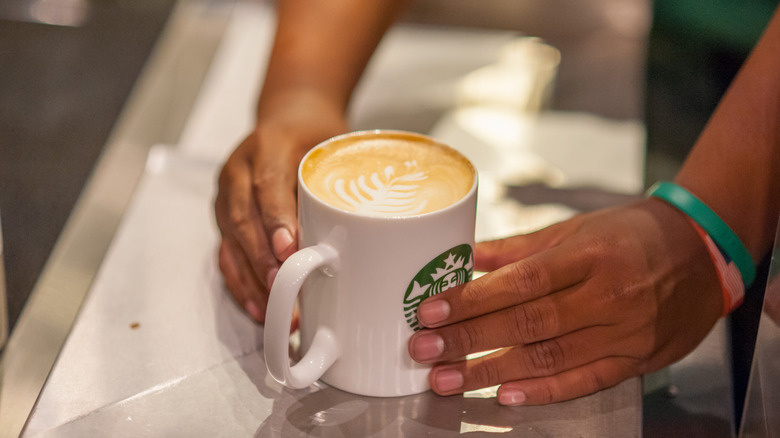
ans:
(361, 276)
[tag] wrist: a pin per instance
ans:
(686, 256)
(733, 264)
(724, 237)
(300, 99)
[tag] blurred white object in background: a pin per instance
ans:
(503, 123)
(522, 79)
(497, 106)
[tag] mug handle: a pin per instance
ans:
(324, 349)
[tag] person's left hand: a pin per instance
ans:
(574, 308)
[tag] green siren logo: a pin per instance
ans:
(451, 268)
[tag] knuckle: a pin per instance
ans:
(592, 382)
(275, 194)
(467, 337)
(527, 323)
(264, 179)
(272, 219)
(545, 357)
(546, 394)
(528, 278)
(475, 292)
(602, 246)
(487, 373)
(239, 221)
(604, 252)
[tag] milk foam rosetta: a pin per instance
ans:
(387, 175)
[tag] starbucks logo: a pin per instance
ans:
(451, 268)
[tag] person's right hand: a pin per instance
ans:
(256, 200)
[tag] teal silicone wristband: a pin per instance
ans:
(720, 232)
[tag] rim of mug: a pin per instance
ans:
(390, 132)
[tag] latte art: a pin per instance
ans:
(387, 175)
(389, 193)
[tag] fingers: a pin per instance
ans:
(246, 261)
(256, 201)
(241, 281)
(238, 219)
(576, 383)
(516, 283)
(543, 372)
(538, 320)
(274, 182)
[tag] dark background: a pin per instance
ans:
(62, 88)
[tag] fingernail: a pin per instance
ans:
(511, 397)
(427, 347)
(448, 380)
(253, 310)
(282, 242)
(433, 312)
(271, 277)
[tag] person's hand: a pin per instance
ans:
(256, 201)
(574, 308)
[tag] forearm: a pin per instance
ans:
(323, 47)
(735, 165)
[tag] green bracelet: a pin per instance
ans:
(718, 230)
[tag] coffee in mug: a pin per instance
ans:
(386, 219)
(389, 175)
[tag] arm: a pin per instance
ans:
(322, 47)
(735, 165)
(318, 56)
(585, 304)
